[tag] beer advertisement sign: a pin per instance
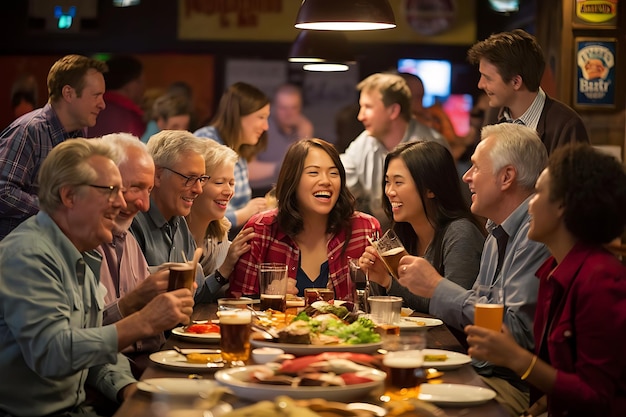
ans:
(595, 68)
(602, 13)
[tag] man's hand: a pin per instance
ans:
(418, 275)
(147, 289)
(167, 310)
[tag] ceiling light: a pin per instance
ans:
(325, 67)
(345, 15)
(321, 46)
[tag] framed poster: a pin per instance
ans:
(595, 72)
(596, 14)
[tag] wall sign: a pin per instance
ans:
(595, 72)
(599, 14)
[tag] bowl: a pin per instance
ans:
(266, 354)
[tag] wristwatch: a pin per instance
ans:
(221, 279)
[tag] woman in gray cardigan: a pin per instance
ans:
(430, 216)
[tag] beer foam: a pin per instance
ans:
(181, 267)
(404, 361)
(482, 305)
(273, 296)
(235, 317)
(393, 251)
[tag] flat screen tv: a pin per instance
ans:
(435, 74)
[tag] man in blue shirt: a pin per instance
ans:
(52, 340)
(75, 89)
(505, 167)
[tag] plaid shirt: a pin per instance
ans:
(271, 244)
(23, 147)
(243, 191)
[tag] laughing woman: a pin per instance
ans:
(314, 229)
(209, 226)
(423, 197)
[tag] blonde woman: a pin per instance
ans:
(208, 223)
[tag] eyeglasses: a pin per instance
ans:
(113, 190)
(190, 180)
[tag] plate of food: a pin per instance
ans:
(444, 359)
(199, 332)
(333, 376)
(189, 359)
(416, 322)
(323, 327)
(455, 395)
(177, 386)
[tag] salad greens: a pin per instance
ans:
(360, 331)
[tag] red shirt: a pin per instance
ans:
(271, 244)
(582, 307)
(120, 115)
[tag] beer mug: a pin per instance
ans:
(235, 328)
(391, 250)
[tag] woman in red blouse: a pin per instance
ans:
(580, 321)
(314, 229)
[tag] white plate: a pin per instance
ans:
(173, 360)
(196, 337)
(455, 395)
(303, 350)
(177, 386)
(418, 322)
(236, 379)
(454, 360)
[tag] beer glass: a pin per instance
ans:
(360, 285)
(404, 360)
(235, 335)
(390, 250)
(273, 286)
(182, 275)
(489, 308)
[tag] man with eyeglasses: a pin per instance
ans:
(52, 339)
(161, 231)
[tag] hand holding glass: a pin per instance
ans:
(489, 310)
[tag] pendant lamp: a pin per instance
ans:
(322, 51)
(345, 15)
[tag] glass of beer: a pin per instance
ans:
(182, 275)
(391, 250)
(489, 308)
(404, 360)
(235, 336)
(273, 286)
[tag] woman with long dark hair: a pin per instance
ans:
(423, 198)
(313, 230)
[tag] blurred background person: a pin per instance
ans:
(125, 87)
(241, 124)
(580, 323)
(169, 112)
(207, 221)
(24, 95)
(287, 125)
(314, 229)
(423, 199)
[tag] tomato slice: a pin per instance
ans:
(203, 328)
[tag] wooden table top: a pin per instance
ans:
(138, 405)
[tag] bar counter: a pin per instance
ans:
(138, 405)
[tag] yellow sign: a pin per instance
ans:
(273, 21)
(595, 11)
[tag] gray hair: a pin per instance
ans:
(519, 146)
(216, 154)
(67, 165)
(125, 141)
(168, 146)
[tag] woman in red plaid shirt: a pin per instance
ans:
(314, 229)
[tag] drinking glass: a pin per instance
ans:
(360, 285)
(404, 360)
(391, 250)
(235, 327)
(489, 308)
(273, 286)
(182, 275)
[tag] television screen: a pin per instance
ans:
(435, 74)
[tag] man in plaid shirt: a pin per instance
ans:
(75, 91)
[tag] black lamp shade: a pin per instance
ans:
(345, 15)
(321, 46)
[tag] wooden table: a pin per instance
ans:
(438, 338)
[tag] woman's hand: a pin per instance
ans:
(371, 263)
(238, 247)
